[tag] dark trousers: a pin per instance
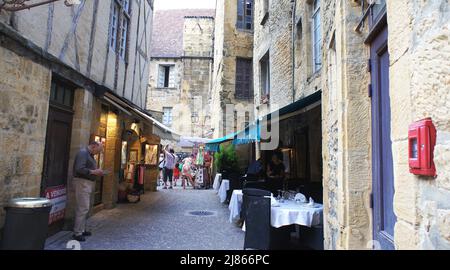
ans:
(167, 175)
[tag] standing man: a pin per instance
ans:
(84, 177)
(169, 165)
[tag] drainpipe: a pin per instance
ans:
(294, 9)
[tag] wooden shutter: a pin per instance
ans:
(244, 78)
(161, 74)
(172, 77)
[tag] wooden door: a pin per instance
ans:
(382, 163)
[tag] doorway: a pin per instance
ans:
(57, 150)
(382, 163)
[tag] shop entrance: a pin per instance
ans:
(57, 150)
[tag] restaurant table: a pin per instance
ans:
(235, 205)
(217, 181)
(224, 187)
(291, 212)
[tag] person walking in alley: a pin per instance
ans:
(84, 176)
(169, 165)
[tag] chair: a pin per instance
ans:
(251, 192)
(256, 206)
(255, 184)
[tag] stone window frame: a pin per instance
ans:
(316, 43)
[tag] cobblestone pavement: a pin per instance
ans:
(160, 221)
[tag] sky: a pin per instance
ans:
(182, 4)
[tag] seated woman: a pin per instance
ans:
(275, 174)
(187, 171)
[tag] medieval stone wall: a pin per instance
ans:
(233, 44)
(25, 90)
(419, 87)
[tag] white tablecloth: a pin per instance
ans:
(217, 181)
(224, 187)
(290, 212)
(235, 205)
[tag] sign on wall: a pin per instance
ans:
(58, 196)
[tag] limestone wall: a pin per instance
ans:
(419, 86)
(25, 89)
(234, 43)
(346, 129)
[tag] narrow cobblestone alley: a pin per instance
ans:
(160, 221)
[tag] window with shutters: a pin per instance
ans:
(166, 76)
(244, 78)
(244, 14)
(167, 116)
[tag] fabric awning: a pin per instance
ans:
(213, 145)
(159, 129)
(189, 142)
(252, 133)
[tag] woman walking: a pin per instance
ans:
(187, 171)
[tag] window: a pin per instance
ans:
(245, 14)
(120, 22)
(114, 26)
(317, 36)
(265, 78)
(244, 81)
(166, 76)
(167, 116)
(298, 43)
(61, 93)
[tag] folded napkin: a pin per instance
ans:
(311, 202)
(300, 197)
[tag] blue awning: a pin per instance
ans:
(213, 145)
(250, 134)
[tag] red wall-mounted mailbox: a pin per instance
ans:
(421, 142)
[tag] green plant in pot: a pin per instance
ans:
(226, 160)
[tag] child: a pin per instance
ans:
(176, 174)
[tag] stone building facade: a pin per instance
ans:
(416, 45)
(181, 68)
(233, 44)
(72, 75)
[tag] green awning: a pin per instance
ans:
(252, 133)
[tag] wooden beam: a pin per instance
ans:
(92, 37)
